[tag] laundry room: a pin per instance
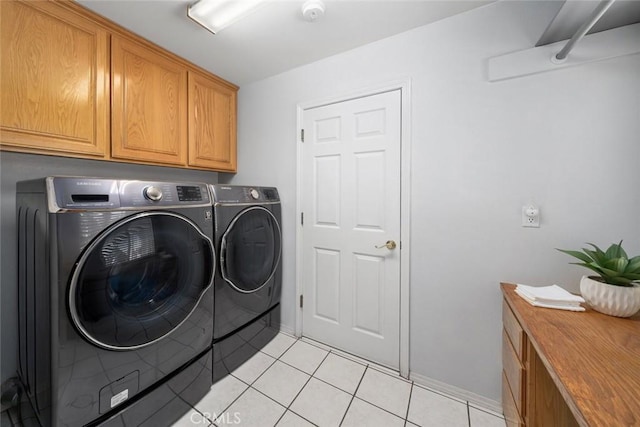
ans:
(315, 213)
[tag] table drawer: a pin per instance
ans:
(509, 408)
(514, 371)
(514, 330)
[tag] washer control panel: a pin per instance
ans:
(104, 194)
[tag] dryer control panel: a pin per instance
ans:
(244, 194)
(71, 193)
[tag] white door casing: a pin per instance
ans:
(350, 175)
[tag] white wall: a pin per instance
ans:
(568, 140)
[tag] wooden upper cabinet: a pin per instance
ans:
(149, 105)
(54, 80)
(74, 84)
(212, 123)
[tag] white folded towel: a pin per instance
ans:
(550, 297)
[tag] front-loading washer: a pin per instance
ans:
(248, 281)
(115, 291)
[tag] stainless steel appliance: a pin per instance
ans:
(115, 291)
(248, 280)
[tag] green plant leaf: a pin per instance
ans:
(613, 266)
(598, 250)
(597, 257)
(617, 264)
(607, 272)
(581, 256)
(633, 266)
(613, 251)
(622, 251)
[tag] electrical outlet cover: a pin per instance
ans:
(532, 221)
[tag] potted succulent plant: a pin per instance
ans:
(616, 289)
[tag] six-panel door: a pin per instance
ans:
(351, 203)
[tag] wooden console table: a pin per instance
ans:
(564, 368)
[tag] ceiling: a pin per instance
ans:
(276, 37)
(574, 13)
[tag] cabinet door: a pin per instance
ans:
(54, 80)
(149, 105)
(212, 124)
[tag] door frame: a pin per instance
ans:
(405, 202)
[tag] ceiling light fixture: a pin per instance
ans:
(214, 15)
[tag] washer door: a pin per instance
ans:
(250, 249)
(140, 279)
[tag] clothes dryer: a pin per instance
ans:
(248, 281)
(115, 291)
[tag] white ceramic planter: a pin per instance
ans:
(613, 300)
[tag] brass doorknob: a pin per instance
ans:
(391, 244)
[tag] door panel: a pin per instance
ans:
(369, 206)
(327, 183)
(327, 279)
(149, 115)
(55, 80)
(351, 203)
(368, 284)
(212, 123)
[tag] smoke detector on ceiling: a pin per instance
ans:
(312, 10)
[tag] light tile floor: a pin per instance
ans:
(297, 382)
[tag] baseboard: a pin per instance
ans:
(476, 400)
(287, 330)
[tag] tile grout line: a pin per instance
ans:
(350, 358)
(356, 359)
(379, 407)
(249, 386)
(288, 408)
(397, 377)
(353, 396)
(258, 377)
(231, 404)
(406, 418)
(305, 384)
(212, 422)
(363, 361)
(295, 367)
(295, 340)
(328, 383)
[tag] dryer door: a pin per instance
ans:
(140, 279)
(250, 249)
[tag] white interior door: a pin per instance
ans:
(350, 198)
